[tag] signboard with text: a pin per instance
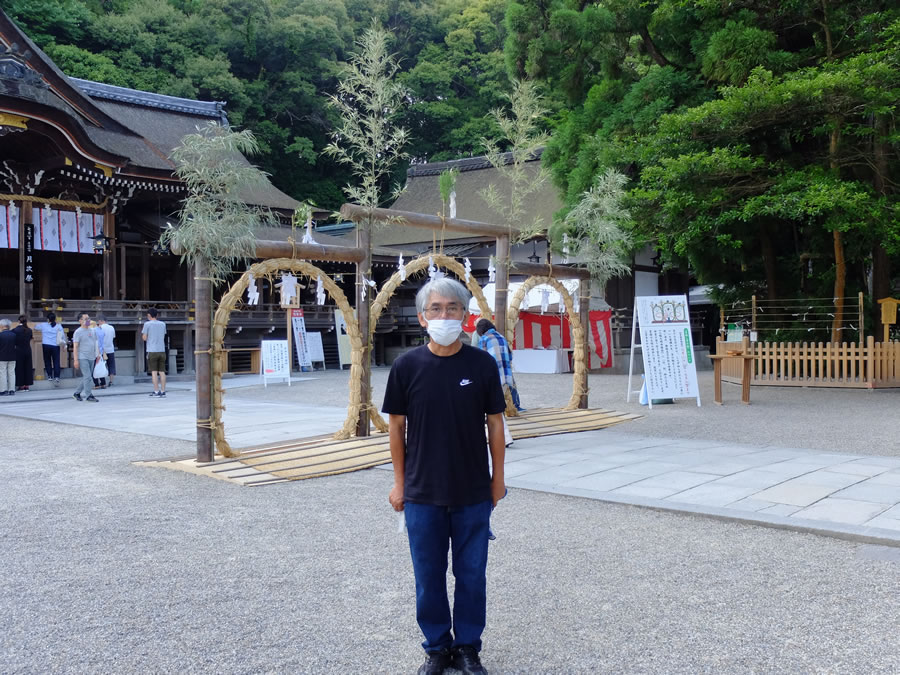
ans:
(301, 345)
(276, 364)
(670, 369)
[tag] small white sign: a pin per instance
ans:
(298, 325)
(276, 364)
(316, 351)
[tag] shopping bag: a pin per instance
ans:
(100, 369)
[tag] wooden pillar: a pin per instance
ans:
(26, 289)
(189, 328)
(109, 258)
(584, 309)
(123, 291)
(364, 269)
(145, 273)
(501, 289)
(203, 323)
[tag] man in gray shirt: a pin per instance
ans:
(86, 351)
(154, 334)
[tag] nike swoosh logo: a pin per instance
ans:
(463, 383)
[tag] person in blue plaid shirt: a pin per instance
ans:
(492, 342)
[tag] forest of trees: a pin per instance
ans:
(759, 137)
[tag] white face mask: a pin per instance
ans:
(444, 331)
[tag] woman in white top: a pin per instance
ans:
(50, 342)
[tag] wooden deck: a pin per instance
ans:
(324, 456)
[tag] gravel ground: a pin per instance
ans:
(113, 568)
(844, 420)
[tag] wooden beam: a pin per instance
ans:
(558, 271)
(281, 249)
(358, 213)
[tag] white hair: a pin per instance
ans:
(445, 287)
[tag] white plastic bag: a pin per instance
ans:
(100, 369)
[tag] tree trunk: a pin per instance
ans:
(770, 262)
(881, 263)
(840, 264)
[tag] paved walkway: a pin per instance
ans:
(843, 495)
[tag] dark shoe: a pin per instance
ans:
(10, 393)
(154, 394)
(435, 663)
(465, 658)
(92, 399)
(3, 393)
(77, 397)
(161, 394)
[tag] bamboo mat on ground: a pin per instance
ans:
(324, 456)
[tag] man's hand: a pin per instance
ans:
(75, 362)
(396, 497)
(498, 491)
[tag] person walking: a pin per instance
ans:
(154, 334)
(52, 338)
(86, 352)
(437, 397)
(490, 340)
(7, 359)
(108, 348)
(24, 362)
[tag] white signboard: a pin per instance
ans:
(276, 362)
(298, 326)
(343, 339)
(316, 351)
(670, 369)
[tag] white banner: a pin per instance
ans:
(9, 226)
(298, 324)
(670, 369)
(275, 361)
(60, 230)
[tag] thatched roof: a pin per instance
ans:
(475, 174)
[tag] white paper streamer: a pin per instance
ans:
(565, 247)
(252, 292)
(492, 271)
(453, 204)
(576, 303)
(308, 238)
(545, 300)
(431, 268)
(320, 291)
(367, 283)
(288, 288)
(468, 269)
(401, 267)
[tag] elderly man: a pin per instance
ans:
(86, 351)
(438, 397)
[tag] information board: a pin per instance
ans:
(276, 363)
(298, 326)
(316, 351)
(343, 339)
(670, 369)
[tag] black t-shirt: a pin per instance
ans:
(445, 400)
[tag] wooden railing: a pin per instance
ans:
(829, 364)
(115, 311)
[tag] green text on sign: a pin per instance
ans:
(687, 345)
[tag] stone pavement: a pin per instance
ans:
(843, 495)
(849, 496)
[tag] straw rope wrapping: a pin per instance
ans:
(580, 358)
(220, 322)
(391, 285)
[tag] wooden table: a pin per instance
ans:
(745, 375)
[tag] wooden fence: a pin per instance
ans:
(829, 364)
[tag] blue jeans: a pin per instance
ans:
(432, 531)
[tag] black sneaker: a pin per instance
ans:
(92, 399)
(154, 394)
(161, 394)
(77, 397)
(465, 658)
(435, 663)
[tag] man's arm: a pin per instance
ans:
(144, 333)
(497, 445)
(397, 435)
